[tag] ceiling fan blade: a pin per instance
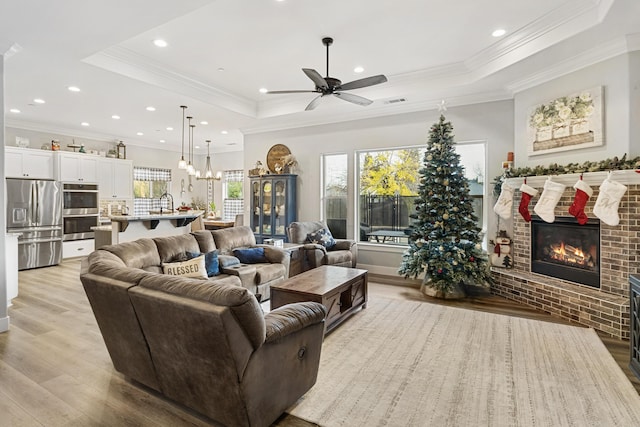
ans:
(316, 78)
(353, 98)
(367, 81)
(313, 104)
(271, 92)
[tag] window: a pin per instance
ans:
(388, 184)
(334, 193)
(149, 184)
(233, 196)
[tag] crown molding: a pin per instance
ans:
(577, 62)
(565, 21)
(128, 63)
(633, 42)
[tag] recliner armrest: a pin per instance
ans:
(291, 318)
(343, 245)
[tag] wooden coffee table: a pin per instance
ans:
(341, 290)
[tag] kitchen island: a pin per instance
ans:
(126, 228)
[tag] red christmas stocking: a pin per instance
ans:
(583, 192)
(527, 193)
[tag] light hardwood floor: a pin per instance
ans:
(55, 370)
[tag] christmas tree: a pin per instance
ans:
(444, 242)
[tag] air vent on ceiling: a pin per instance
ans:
(395, 100)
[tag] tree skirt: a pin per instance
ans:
(408, 363)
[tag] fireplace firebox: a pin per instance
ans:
(566, 250)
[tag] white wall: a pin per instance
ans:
(491, 122)
(614, 76)
(634, 93)
(4, 318)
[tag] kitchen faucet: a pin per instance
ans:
(169, 197)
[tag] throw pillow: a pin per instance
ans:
(250, 255)
(192, 268)
(322, 237)
(210, 262)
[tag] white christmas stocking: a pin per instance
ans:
(606, 207)
(548, 200)
(505, 201)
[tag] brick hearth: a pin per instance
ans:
(605, 309)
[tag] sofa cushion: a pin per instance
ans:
(227, 261)
(210, 262)
(205, 240)
(339, 258)
(192, 268)
(140, 253)
(250, 255)
(269, 272)
(227, 239)
(322, 237)
(175, 248)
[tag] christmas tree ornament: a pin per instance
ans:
(548, 200)
(527, 193)
(609, 197)
(505, 202)
(583, 192)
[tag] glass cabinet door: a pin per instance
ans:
(255, 203)
(266, 207)
(279, 198)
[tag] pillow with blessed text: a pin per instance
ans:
(193, 268)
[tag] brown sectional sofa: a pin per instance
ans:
(203, 343)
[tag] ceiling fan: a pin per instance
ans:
(332, 86)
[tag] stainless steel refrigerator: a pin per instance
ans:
(34, 209)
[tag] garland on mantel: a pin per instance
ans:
(555, 169)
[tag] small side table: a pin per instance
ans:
(296, 253)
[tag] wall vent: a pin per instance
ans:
(395, 100)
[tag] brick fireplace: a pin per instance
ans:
(603, 305)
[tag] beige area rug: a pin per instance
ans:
(407, 363)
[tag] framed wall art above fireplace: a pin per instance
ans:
(568, 122)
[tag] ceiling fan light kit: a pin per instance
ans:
(333, 86)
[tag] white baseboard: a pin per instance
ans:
(4, 324)
(380, 269)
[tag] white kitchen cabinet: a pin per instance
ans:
(115, 179)
(76, 248)
(28, 163)
(77, 167)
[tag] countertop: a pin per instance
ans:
(150, 217)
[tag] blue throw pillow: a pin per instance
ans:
(322, 237)
(210, 262)
(250, 255)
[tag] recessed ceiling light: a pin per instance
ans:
(14, 110)
(160, 43)
(163, 141)
(224, 132)
(84, 124)
(74, 88)
(220, 69)
(499, 32)
(169, 128)
(150, 108)
(115, 117)
(38, 101)
(358, 69)
(139, 133)
(264, 90)
(197, 146)
(204, 122)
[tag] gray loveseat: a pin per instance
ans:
(203, 343)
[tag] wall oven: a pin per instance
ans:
(80, 210)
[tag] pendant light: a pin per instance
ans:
(182, 164)
(208, 171)
(190, 169)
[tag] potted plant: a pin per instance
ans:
(212, 209)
